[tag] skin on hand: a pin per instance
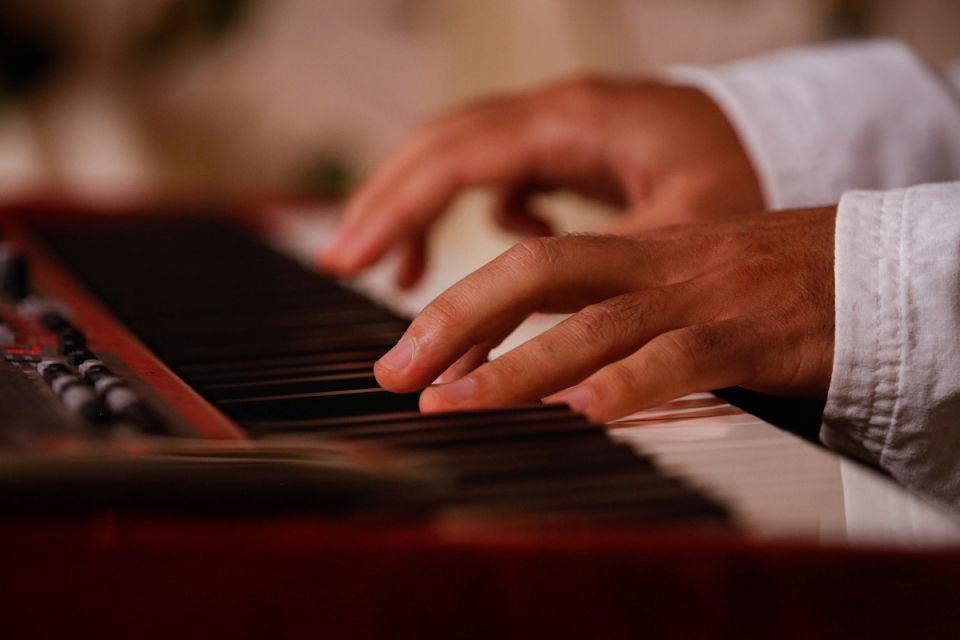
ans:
(665, 154)
(745, 301)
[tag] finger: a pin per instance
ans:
(513, 213)
(566, 354)
(695, 358)
(557, 274)
(491, 145)
(413, 261)
(632, 224)
(472, 359)
(671, 207)
(468, 362)
(706, 232)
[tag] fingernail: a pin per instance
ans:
(446, 377)
(457, 392)
(398, 358)
(577, 399)
(453, 373)
(327, 260)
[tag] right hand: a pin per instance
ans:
(745, 301)
(665, 154)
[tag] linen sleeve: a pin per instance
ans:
(820, 120)
(894, 398)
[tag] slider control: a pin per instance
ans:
(77, 396)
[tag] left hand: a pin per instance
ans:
(744, 301)
(663, 154)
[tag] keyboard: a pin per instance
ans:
(189, 426)
(284, 356)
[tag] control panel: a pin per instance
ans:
(53, 387)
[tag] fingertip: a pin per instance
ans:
(598, 414)
(408, 276)
(348, 259)
(430, 402)
(391, 369)
(327, 260)
(580, 399)
(452, 374)
(412, 263)
(333, 256)
(449, 397)
(387, 378)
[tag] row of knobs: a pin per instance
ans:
(15, 289)
(92, 391)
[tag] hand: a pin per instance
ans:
(745, 301)
(667, 154)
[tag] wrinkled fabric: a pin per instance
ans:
(829, 121)
(895, 394)
(819, 121)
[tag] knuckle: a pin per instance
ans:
(500, 377)
(650, 303)
(703, 339)
(603, 321)
(535, 253)
(444, 313)
(433, 133)
(619, 381)
(684, 348)
(575, 100)
(583, 87)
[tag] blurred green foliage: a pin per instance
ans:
(326, 174)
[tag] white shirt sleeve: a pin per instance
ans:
(820, 120)
(894, 397)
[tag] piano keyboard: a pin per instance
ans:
(287, 355)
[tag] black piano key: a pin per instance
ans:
(264, 321)
(589, 456)
(269, 372)
(179, 352)
(389, 423)
(284, 339)
(266, 363)
(287, 386)
(501, 434)
(319, 405)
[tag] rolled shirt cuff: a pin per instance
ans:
(894, 397)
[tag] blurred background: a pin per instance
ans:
(106, 97)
